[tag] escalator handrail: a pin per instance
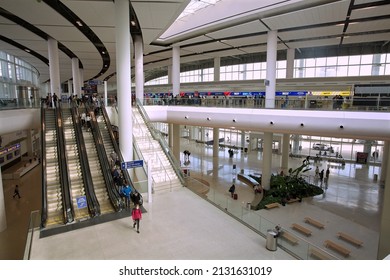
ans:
(113, 193)
(92, 202)
(43, 170)
(68, 210)
(115, 145)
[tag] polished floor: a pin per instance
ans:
(182, 225)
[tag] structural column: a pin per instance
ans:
(285, 151)
(3, 216)
(215, 142)
(176, 141)
(175, 70)
(70, 88)
(170, 135)
(76, 76)
(139, 68)
(384, 233)
(122, 35)
(217, 69)
(270, 82)
(385, 162)
(54, 67)
(267, 160)
(290, 63)
(105, 94)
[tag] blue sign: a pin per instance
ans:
(81, 202)
(132, 164)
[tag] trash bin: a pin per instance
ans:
(375, 177)
(272, 240)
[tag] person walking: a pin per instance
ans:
(16, 192)
(126, 193)
(232, 190)
(136, 215)
(321, 176)
(327, 172)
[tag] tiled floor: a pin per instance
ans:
(181, 225)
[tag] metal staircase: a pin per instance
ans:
(163, 174)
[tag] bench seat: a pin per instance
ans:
(247, 180)
(301, 229)
(318, 254)
(350, 239)
(289, 237)
(337, 247)
(271, 205)
(314, 222)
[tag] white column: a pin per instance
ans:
(290, 63)
(243, 139)
(384, 232)
(54, 67)
(385, 162)
(217, 69)
(272, 41)
(81, 70)
(76, 76)
(176, 141)
(267, 160)
(170, 135)
(139, 68)
(3, 216)
(70, 88)
(175, 70)
(170, 73)
(123, 70)
(216, 142)
(285, 153)
(105, 93)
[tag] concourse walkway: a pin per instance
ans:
(182, 225)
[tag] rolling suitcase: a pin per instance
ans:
(235, 196)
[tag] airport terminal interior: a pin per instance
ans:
(211, 103)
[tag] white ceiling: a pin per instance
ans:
(228, 28)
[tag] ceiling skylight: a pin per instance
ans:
(196, 5)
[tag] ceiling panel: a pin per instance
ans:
(369, 26)
(194, 40)
(312, 32)
(253, 40)
(239, 30)
(34, 12)
(314, 43)
(326, 13)
(14, 31)
(383, 10)
(105, 34)
(205, 47)
(94, 13)
(64, 33)
(255, 49)
(367, 38)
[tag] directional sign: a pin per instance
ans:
(81, 202)
(132, 164)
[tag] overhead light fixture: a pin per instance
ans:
(79, 23)
(271, 122)
(208, 118)
(132, 23)
(186, 117)
(341, 126)
(27, 50)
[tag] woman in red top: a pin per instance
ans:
(136, 215)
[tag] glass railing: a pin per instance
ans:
(34, 224)
(294, 245)
(157, 135)
(311, 102)
(293, 103)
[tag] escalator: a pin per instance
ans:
(56, 198)
(96, 172)
(52, 172)
(77, 186)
